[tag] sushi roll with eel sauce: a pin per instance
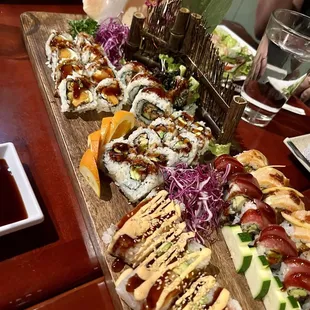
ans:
(150, 104)
(76, 94)
(109, 95)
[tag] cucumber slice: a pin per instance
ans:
(275, 299)
(263, 261)
(237, 243)
(245, 238)
(258, 276)
(292, 304)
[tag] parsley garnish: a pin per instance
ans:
(87, 25)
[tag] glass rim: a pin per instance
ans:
(273, 14)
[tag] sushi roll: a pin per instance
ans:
(186, 146)
(284, 199)
(242, 188)
(297, 226)
(268, 177)
(295, 274)
(109, 95)
(76, 94)
(184, 94)
(67, 68)
(163, 156)
(130, 70)
(203, 134)
(205, 293)
(300, 235)
(141, 220)
(150, 104)
(144, 139)
(138, 82)
(115, 156)
(255, 216)
(252, 160)
(82, 39)
(160, 279)
(275, 244)
(182, 119)
(92, 53)
(179, 94)
(57, 42)
(165, 129)
(138, 177)
(229, 164)
(99, 70)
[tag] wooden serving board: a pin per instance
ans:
(72, 133)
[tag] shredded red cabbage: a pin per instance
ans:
(200, 190)
(112, 34)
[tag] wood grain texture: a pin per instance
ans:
(72, 137)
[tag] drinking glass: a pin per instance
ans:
(280, 65)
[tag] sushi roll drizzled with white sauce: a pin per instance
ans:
(150, 104)
(109, 95)
(76, 94)
(168, 269)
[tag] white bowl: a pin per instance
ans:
(35, 215)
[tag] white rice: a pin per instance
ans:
(289, 228)
(306, 305)
(65, 102)
(148, 97)
(249, 205)
(233, 304)
(127, 297)
(108, 234)
(305, 255)
(103, 103)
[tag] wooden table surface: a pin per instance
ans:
(57, 257)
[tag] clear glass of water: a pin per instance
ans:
(281, 64)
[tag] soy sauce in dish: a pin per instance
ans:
(12, 207)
